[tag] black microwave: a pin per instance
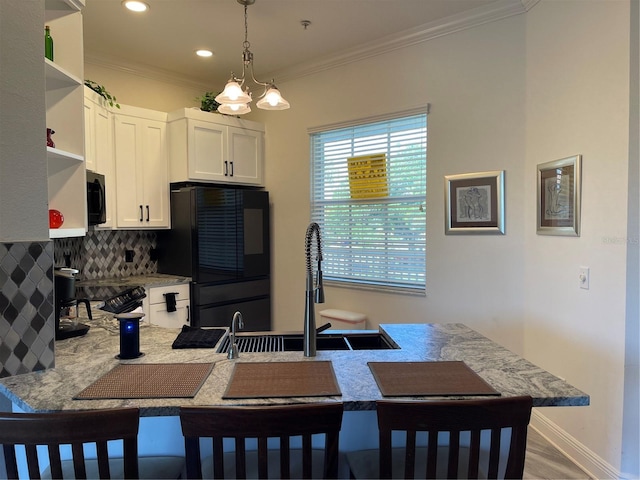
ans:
(96, 199)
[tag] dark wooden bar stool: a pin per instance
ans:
(77, 429)
(263, 423)
(452, 458)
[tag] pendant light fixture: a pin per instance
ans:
(234, 100)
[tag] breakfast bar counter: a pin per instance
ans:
(83, 360)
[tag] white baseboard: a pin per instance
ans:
(593, 465)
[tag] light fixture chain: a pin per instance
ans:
(246, 43)
(233, 100)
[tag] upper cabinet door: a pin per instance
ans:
(209, 147)
(155, 176)
(206, 150)
(129, 194)
(142, 187)
(89, 135)
(97, 132)
(245, 155)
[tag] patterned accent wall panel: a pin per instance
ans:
(101, 253)
(27, 338)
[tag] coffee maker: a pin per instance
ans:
(64, 295)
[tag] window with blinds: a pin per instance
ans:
(368, 194)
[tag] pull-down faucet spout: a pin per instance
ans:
(314, 292)
(233, 349)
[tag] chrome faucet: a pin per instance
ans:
(314, 292)
(233, 349)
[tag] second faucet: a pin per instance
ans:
(233, 349)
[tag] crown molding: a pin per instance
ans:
(528, 4)
(145, 71)
(497, 10)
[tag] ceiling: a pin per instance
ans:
(164, 39)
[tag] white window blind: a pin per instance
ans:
(372, 222)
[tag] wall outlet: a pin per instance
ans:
(583, 278)
(128, 256)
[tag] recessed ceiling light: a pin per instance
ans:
(204, 53)
(135, 5)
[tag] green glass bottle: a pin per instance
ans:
(48, 43)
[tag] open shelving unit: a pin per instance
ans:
(65, 115)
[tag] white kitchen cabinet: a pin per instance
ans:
(99, 158)
(155, 306)
(209, 147)
(91, 107)
(64, 115)
(142, 185)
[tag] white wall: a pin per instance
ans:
(578, 103)
(507, 95)
(474, 82)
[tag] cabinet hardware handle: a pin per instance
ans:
(141, 213)
(231, 163)
(147, 213)
(226, 168)
(188, 319)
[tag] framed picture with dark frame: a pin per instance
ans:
(474, 203)
(559, 193)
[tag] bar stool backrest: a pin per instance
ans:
(455, 416)
(263, 423)
(54, 430)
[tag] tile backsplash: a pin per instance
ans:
(26, 307)
(27, 337)
(102, 253)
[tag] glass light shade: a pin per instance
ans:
(135, 5)
(233, 94)
(234, 109)
(272, 100)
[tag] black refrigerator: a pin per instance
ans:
(220, 238)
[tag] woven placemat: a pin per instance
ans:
(399, 379)
(149, 380)
(282, 379)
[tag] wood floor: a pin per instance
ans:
(544, 461)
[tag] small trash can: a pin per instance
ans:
(343, 319)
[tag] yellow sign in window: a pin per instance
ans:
(368, 176)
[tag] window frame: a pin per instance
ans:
(411, 287)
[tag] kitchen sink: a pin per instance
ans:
(295, 342)
(369, 341)
(323, 342)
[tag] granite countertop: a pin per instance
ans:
(151, 280)
(81, 361)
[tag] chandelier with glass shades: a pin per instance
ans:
(234, 100)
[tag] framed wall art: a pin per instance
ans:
(474, 203)
(559, 191)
